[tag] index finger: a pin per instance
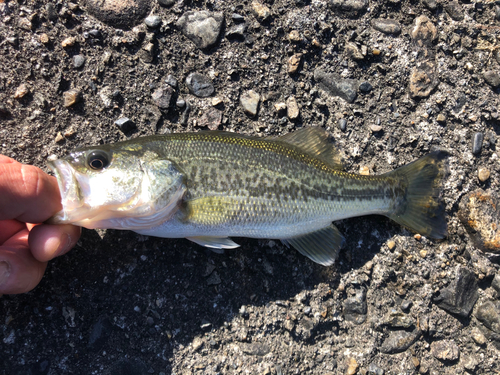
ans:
(26, 192)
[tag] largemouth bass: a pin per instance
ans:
(210, 186)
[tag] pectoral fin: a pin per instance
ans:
(322, 246)
(214, 242)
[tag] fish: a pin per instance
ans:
(210, 186)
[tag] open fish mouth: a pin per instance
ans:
(69, 189)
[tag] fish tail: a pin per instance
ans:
(420, 207)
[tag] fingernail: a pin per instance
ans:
(4, 272)
(63, 244)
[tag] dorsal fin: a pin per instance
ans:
(314, 141)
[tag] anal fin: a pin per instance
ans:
(321, 246)
(214, 242)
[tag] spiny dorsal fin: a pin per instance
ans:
(314, 141)
(321, 246)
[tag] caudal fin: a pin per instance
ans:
(421, 209)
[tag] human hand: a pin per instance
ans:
(28, 195)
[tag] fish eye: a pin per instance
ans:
(97, 160)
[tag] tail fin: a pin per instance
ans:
(421, 209)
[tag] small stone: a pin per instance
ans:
(180, 103)
(147, 53)
(237, 17)
(294, 36)
(280, 107)
(262, 12)
(78, 61)
(216, 101)
(355, 308)
(488, 313)
(441, 118)
(461, 295)
(386, 26)
(69, 42)
(292, 108)
(391, 244)
(483, 174)
(495, 284)
(249, 100)
(477, 143)
(431, 4)
(375, 128)
(479, 212)
(470, 363)
(25, 24)
(211, 118)
(153, 21)
(71, 97)
(197, 343)
(201, 27)
(424, 33)
(237, 31)
(399, 341)
(352, 368)
(294, 63)
(478, 336)
(445, 350)
(350, 5)
(125, 124)
(51, 11)
(492, 78)
(59, 137)
(119, 13)
(337, 86)
(4, 111)
(171, 81)
(44, 38)
(106, 95)
(364, 170)
(166, 3)
(373, 369)
(454, 10)
(353, 51)
(343, 124)
(365, 87)
(423, 79)
(199, 85)
(162, 96)
(423, 253)
(21, 91)
(397, 319)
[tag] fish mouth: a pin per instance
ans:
(69, 190)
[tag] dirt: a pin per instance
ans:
(121, 303)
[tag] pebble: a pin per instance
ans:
(386, 26)
(237, 31)
(353, 366)
(350, 5)
(391, 244)
(294, 36)
(201, 27)
(355, 308)
(365, 87)
(59, 137)
(431, 4)
(483, 174)
(4, 111)
(180, 103)
(294, 63)
(353, 51)
(216, 101)
(495, 284)
(441, 118)
(424, 33)
(375, 128)
(197, 343)
(125, 124)
(343, 124)
(51, 11)
(237, 17)
(280, 107)
(166, 3)
(423, 79)
(78, 61)
(454, 10)
(477, 143)
(152, 21)
(106, 95)
(147, 52)
(492, 78)
(71, 97)
(292, 108)
(172, 81)
(25, 24)
(21, 91)
(479, 212)
(336, 85)
(249, 100)
(399, 341)
(445, 350)
(364, 170)
(211, 118)
(261, 11)
(478, 336)
(69, 42)
(397, 319)
(44, 38)
(461, 295)
(488, 313)
(119, 13)
(199, 85)
(162, 96)
(373, 369)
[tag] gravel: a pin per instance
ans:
(394, 303)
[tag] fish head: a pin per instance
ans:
(117, 187)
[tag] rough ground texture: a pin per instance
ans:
(389, 80)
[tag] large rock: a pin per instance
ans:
(119, 13)
(479, 212)
(202, 27)
(423, 79)
(459, 298)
